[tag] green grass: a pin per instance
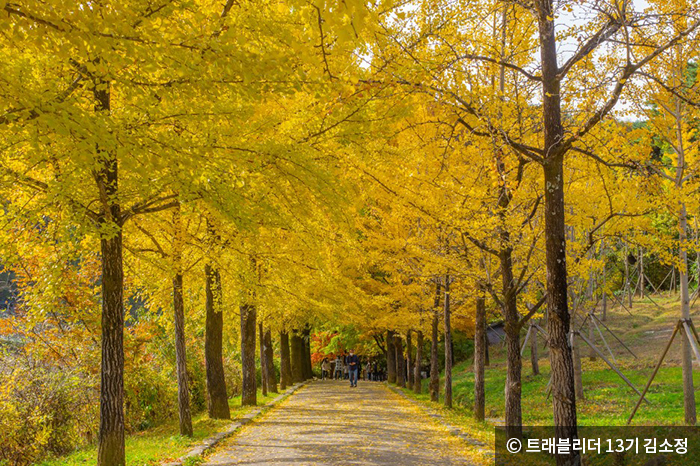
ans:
(162, 443)
(608, 399)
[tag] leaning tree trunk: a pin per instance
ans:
(448, 345)
(558, 324)
(417, 376)
(183, 392)
(434, 362)
(297, 358)
(285, 362)
(400, 362)
(249, 390)
(213, 341)
(263, 360)
(479, 359)
(409, 362)
(270, 363)
(111, 437)
(390, 357)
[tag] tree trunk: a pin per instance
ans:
(687, 360)
(297, 357)
(285, 362)
(249, 390)
(534, 357)
(589, 300)
(605, 294)
(673, 282)
(409, 361)
(513, 389)
(434, 362)
(479, 356)
(111, 448)
(213, 340)
(400, 362)
(448, 345)
(641, 284)
(183, 392)
(558, 325)
(487, 359)
(263, 360)
(390, 357)
(308, 370)
(270, 363)
(111, 435)
(628, 285)
(417, 376)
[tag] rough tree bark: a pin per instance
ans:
(417, 376)
(434, 363)
(263, 360)
(390, 357)
(111, 449)
(558, 324)
(183, 392)
(479, 357)
(213, 340)
(285, 362)
(270, 363)
(111, 436)
(448, 345)
(513, 389)
(249, 390)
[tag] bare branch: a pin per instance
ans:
(607, 31)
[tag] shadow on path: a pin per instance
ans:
(330, 423)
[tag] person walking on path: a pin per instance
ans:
(338, 372)
(368, 370)
(325, 369)
(353, 366)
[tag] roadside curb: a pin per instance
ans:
(207, 444)
(480, 446)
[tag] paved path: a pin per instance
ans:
(328, 423)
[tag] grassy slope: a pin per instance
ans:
(609, 401)
(162, 443)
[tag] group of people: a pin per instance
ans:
(348, 366)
